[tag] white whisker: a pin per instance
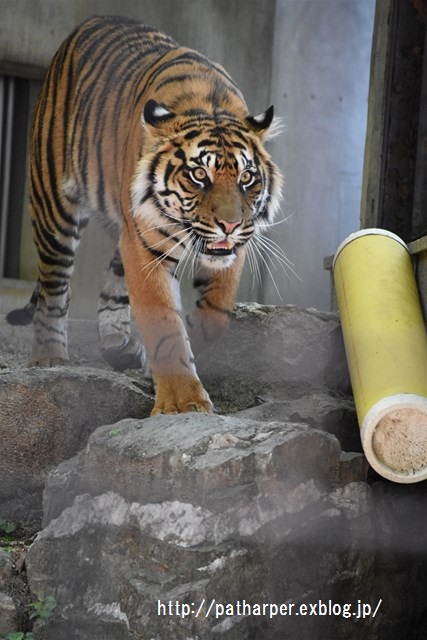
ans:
(269, 225)
(271, 247)
(163, 240)
(258, 250)
(157, 261)
(189, 252)
(253, 265)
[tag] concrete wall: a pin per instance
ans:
(320, 87)
(308, 57)
(236, 33)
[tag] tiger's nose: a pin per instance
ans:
(228, 227)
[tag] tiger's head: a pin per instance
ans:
(207, 179)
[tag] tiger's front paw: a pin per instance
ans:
(180, 395)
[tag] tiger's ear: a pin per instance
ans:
(156, 114)
(265, 125)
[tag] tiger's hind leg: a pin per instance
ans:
(56, 242)
(119, 348)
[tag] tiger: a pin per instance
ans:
(157, 141)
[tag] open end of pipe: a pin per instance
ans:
(394, 439)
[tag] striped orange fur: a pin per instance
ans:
(157, 141)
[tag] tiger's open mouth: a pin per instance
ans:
(220, 248)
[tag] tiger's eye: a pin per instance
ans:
(246, 178)
(198, 174)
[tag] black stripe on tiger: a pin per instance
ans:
(156, 140)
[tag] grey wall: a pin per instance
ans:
(308, 57)
(320, 81)
(236, 33)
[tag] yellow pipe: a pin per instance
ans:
(386, 348)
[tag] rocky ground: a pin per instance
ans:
(152, 527)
